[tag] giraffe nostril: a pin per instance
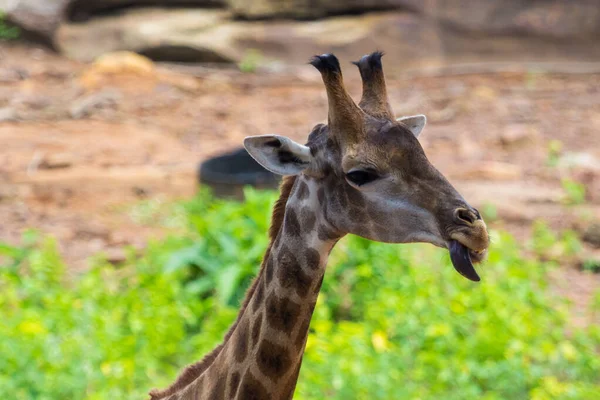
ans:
(466, 216)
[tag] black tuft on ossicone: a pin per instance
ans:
(375, 59)
(368, 63)
(326, 63)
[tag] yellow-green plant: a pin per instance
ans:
(574, 191)
(251, 60)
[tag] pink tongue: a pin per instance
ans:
(461, 260)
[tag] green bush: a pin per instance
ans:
(392, 322)
(8, 31)
(574, 191)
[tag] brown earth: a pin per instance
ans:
(81, 144)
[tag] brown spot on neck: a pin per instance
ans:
(303, 192)
(273, 360)
(234, 383)
(312, 258)
(291, 274)
(282, 313)
(252, 388)
(292, 225)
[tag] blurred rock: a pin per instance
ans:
(590, 179)
(516, 212)
(43, 17)
(91, 230)
(8, 114)
(180, 81)
(7, 192)
(552, 18)
(115, 255)
(31, 100)
(485, 93)
(520, 110)
(56, 161)
(444, 115)
(592, 234)
(518, 29)
(124, 64)
(493, 170)
(580, 161)
(9, 75)
(85, 106)
(462, 30)
(211, 36)
(118, 63)
(169, 34)
(518, 135)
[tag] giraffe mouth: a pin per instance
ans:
(462, 259)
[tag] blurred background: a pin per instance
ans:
(118, 266)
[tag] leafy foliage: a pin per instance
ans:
(8, 31)
(412, 319)
(575, 191)
(392, 322)
(251, 61)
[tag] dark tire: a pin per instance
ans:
(227, 174)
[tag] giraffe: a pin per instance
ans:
(364, 173)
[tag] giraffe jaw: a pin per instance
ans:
(461, 257)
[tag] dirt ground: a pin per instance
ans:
(80, 143)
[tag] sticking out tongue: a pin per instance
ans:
(461, 260)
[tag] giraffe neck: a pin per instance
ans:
(265, 352)
(261, 359)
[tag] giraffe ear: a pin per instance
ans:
(279, 154)
(415, 123)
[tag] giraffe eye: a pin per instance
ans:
(361, 177)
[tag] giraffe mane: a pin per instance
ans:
(193, 371)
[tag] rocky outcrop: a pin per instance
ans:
(544, 18)
(43, 17)
(551, 18)
(211, 35)
(546, 30)
(175, 34)
(416, 32)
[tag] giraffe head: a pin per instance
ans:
(372, 176)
